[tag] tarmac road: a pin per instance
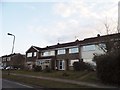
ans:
(12, 84)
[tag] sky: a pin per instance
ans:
(46, 22)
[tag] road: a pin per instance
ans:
(9, 85)
(12, 84)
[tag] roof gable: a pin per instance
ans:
(33, 49)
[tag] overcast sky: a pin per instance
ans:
(46, 22)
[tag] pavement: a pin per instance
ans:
(93, 85)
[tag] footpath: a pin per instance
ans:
(93, 85)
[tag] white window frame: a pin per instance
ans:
(48, 53)
(61, 65)
(9, 58)
(29, 54)
(71, 50)
(52, 53)
(35, 54)
(88, 46)
(61, 51)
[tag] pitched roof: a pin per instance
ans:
(62, 45)
(103, 38)
(35, 48)
(81, 42)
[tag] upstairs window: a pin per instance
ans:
(48, 53)
(9, 58)
(61, 51)
(45, 53)
(29, 54)
(35, 54)
(89, 48)
(4, 59)
(73, 50)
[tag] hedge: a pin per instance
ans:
(108, 67)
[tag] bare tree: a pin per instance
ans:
(110, 27)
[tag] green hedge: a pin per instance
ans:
(37, 68)
(81, 66)
(108, 67)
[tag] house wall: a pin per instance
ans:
(67, 57)
(88, 55)
(18, 60)
(30, 61)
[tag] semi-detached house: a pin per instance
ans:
(62, 56)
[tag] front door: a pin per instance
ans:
(61, 65)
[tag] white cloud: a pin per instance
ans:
(87, 8)
(79, 18)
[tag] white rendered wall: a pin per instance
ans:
(87, 56)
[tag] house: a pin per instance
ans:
(5, 60)
(14, 60)
(62, 56)
(32, 54)
(1, 62)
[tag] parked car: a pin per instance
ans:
(9, 67)
(1, 68)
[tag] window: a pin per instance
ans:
(42, 62)
(102, 46)
(48, 53)
(29, 54)
(4, 59)
(47, 61)
(9, 58)
(35, 54)
(89, 48)
(45, 53)
(73, 50)
(72, 61)
(52, 53)
(61, 51)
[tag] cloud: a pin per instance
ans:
(87, 9)
(79, 18)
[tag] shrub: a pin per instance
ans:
(37, 68)
(47, 69)
(90, 67)
(80, 66)
(108, 67)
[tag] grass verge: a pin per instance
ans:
(85, 76)
(40, 82)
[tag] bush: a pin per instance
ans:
(80, 66)
(108, 67)
(47, 69)
(90, 67)
(37, 68)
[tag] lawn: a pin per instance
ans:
(41, 83)
(85, 76)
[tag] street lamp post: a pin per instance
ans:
(12, 49)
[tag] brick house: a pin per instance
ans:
(15, 60)
(62, 56)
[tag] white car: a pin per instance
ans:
(1, 68)
(7, 68)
